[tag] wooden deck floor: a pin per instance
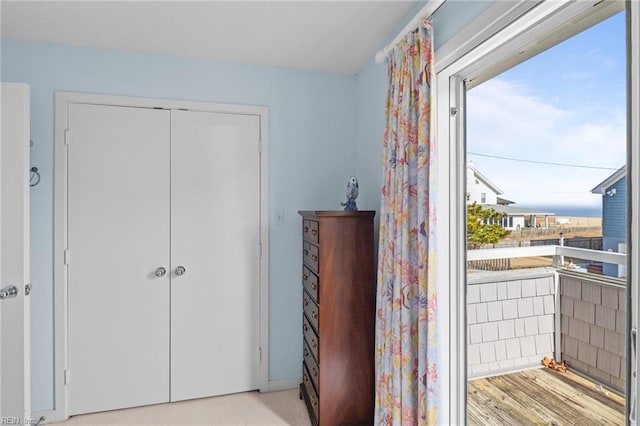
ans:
(541, 397)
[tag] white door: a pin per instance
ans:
(118, 238)
(215, 230)
(15, 361)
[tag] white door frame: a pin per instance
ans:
(62, 101)
(633, 204)
(509, 35)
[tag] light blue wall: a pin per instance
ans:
(614, 221)
(312, 154)
(614, 211)
(323, 128)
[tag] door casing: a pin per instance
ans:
(62, 102)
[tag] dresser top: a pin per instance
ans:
(336, 213)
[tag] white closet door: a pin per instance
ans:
(15, 366)
(118, 235)
(215, 212)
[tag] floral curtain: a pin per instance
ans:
(406, 368)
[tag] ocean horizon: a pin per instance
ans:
(575, 211)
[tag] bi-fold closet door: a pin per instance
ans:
(162, 262)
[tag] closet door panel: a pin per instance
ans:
(215, 211)
(118, 234)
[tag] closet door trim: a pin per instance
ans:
(62, 102)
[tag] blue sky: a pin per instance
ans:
(565, 105)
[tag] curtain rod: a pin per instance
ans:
(427, 10)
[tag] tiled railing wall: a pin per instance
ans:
(593, 316)
(510, 320)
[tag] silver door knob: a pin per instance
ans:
(180, 270)
(8, 292)
(160, 272)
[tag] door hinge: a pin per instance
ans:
(27, 289)
(259, 250)
(66, 136)
(67, 377)
(260, 145)
(67, 257)
(454, 111)
(260, 354)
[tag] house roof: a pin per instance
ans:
(610, 181)
(517, 211)
(504, 201)
(484, 179)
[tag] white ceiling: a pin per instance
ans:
(339, 36)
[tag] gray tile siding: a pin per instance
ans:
(512, 321)
(510, 324)
(593, 329)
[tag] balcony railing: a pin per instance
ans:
(516, 317)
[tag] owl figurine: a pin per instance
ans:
(352, 194)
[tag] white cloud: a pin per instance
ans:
(505, 118)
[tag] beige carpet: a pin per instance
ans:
(250, 409)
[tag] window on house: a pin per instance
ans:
(483, 198)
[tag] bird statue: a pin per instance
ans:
(352, 194)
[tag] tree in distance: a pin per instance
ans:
(484, 226)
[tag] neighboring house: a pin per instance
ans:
(482, 191)
(614, 217)
(520, 217)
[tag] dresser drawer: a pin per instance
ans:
(308, 355)
(310, 230)
(311, 393)
(310, 282)
(314, 371)
(310, 310)
(311, 337)
(310, 255)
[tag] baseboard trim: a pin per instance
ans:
(285, 384)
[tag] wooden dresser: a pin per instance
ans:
(338, 280)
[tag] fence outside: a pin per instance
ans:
(588, 243)
(552, 230)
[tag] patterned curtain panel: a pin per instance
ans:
(406, 366)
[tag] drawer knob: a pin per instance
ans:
(306, 352)
(314, 257)
(314, 314)
(306, 328)
(314, 286)
(305, 378)
(306, 302)
(315, 373)
(313, 343)
(306, 229)
(306, 252)
(314, 232)
(314, 401)
(305, 277)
